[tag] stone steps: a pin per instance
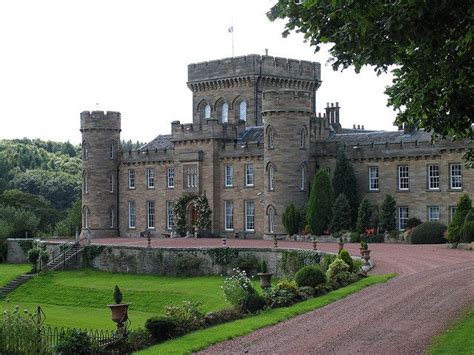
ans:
(65, 257)
(14, 284)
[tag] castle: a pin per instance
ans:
(252, 148)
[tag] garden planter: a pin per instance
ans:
(366, 256)
(119, 313)
(362, 251)
(341, 246)
(265, 279)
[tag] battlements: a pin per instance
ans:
(254, 65)
(212, 128)
(110, 120)
(287, 101)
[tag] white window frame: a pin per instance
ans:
(271, 138)
(250, 216)
(207, 111)
(224, 112)
(433, 177)
(436, 216)
(85, 151)
(85, 217)
(150, 214)
(249, 175)
(243, 111)
(131, 179)
(455, 180)
(271, 219)
(403, 177)
(132, 215)
(229, 176)
(169, 215)
(229, 215)
(85, 183)
(191, 176)
(170, 175)
(303, 178)
(271, 177)
(403, 216)
(150, 178)
(374, 178)
(111, 218)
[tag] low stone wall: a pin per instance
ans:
(17, 249)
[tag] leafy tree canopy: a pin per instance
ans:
(429, 45)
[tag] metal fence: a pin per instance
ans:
(53, 335)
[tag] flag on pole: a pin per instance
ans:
(231, 29)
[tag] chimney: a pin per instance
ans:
(354, 126)
(328, 113)
(336, 112)
(363, 127)
(358, 126)
(266, 52)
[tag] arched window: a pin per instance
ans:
(271, 176)
(207, 112)
(111, 217)
(271, 219)
(85, 183)
(111, 182)
(225, 112)
(303, 177)
(85, 217)
(85, 150)
(303, 138)
(270, 137)
(243, 111)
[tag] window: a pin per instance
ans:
(271, 177)
(85, 151)
(150, 178)
(402, 217)
(328, 170)
(131, 179)
(229, 175)
(303, 138)
(270, 138)
(229, 215)
(373, 178)
(455, 176)
(243, 111)
(150, 214)
(207, 111)
(225, 112)
(170, 178)
(112, 151)
(403, 180)
(271, 219)
(452, 211)
(111, 218)
(190, 176)
(249, 175)
(303, 178)
(132, 214)
(249, 216)
(85, 183)
(111, 182)
(433, 213)
(433, 177)
(85, 217)
(169, 215)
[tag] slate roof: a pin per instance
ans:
(251, 135)
(160, 142)
(369, 137)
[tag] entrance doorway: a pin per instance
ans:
(191, 217)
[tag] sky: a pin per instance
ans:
(58, 58)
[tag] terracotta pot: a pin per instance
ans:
(361, 251)
(119, 312)
(265, 279)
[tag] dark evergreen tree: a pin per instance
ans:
(341, 214)
(388, 213)
(291, 219)
(318, 214)
(344, 182)
(363, 216)
(462, 209)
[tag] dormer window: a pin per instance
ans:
(225, 113)
(243, 111)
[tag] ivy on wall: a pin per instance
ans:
(202, 208)
(90, 252)
(222, 256)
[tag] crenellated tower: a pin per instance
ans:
(100, 156)
(286, 116)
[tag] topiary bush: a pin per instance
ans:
(326, 261)
(463, 207)
(467, 232)
(162, 328)
(344, 255)
(187, 314)
(311, 276)
(252, 303)
(318, 213)
(388, 211)
(339, 274)
(363, 216)
(428, 233)
(291, 219)
(75, 342)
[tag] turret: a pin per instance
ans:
(286, 115)
(100, 156)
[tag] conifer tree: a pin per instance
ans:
(341, 214)
(363, 216)
(318, 214)
(344, 182)
(462, 208)
(387, 213)
(291, 219)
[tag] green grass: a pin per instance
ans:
(202, 339)
(10, 271)
(79, 298)
(458, 339)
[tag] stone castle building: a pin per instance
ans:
(252, 148)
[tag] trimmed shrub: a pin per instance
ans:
(318, 214)
(388, 211)
(467, 232)
(311, 276)
(252, 303)
(374, 238)
(341, 214)
(363, 216)
(413, 222)
(463, 207)
(75, 342)
(162, 328)
(338, 273)
(428, 233)
(344, 182)
(187, 314)
(327, 260)
(187, 265)
(291, 219)
(346, 257)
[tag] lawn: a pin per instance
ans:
(79, 298)
(10, 271)
(458, 339)
(204, 338)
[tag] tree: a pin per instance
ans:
(291, 219)
(341, 214)
(344, 182)
(388, 213)
(318, 214)
(363, 216)
(463, 207)
(428, 43)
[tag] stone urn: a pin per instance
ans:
(366, 256)
(362, 251)
(265, 279)
(341, 245)
(119, 313)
